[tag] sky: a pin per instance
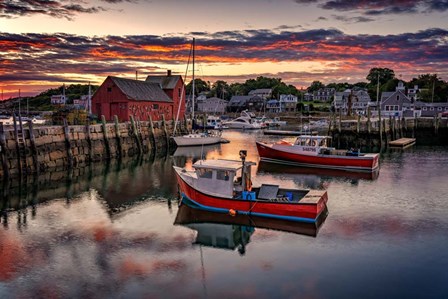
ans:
(47, 43)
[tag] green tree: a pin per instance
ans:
(199, 86)
(384, 74)
(221, 89)
(315, 86)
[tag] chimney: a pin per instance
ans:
(168, 73)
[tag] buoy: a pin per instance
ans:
(232, 212)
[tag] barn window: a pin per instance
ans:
(398, 97)
(109, 89)
(180, 92)
(156, 106)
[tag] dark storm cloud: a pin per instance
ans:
(54, 8)
(353, 19)
(67, 9)
(45, 57)
(381, 7)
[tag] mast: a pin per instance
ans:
(89, 100)
(19, 102)
(192, 97)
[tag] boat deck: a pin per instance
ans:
(273, 193)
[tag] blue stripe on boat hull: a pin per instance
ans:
(190, 202)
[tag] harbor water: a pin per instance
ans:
(120, 233)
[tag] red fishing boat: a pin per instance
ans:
(224, 186)
(312, 151)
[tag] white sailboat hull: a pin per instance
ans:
(196, 139)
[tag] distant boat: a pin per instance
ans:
(312, 151)
(245, 121)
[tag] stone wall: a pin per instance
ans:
(51, 147)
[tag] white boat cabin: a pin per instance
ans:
(222, 177)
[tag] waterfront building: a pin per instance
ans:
(264, 93)
(324, 95)
(273, 106)
(359, 101)
(128, 97)
(308, 97)
(58, 99)
(392, 103)
(288, 103)
(212, 105)
(241, 103)
(173, 86)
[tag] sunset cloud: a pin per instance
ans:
(74, 58)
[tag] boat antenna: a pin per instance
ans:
(192, 87)
(202, 152)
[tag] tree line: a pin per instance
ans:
(431, 87)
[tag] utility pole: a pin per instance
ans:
(433, 86)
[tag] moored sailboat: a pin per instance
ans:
(194, 139)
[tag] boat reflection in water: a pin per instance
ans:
(319, 173)
(234, 232)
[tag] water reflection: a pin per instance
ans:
(230, 232)
(120, 184)
(315, 178)
(106, 231)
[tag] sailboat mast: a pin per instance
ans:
(192, 97)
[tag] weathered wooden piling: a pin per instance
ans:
(3, 151)
(135, 134)
(33, 146)
(118, 137)
(105, 138)
(68, 147)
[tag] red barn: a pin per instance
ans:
(173, 85)
(126, 97)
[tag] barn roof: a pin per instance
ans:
(167, 82)
(141, 90)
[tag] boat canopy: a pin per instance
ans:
(229, 165)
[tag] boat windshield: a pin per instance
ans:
(311, 141)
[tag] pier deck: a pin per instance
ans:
(402, 142)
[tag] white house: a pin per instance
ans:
(359, 101)
(288, 103)
(58, 99)
(212, 105)
(264, 93)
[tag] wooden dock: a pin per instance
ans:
(402, 142)
(288, 133)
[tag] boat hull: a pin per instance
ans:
(350, 163)
(294, 211)
(196, 140)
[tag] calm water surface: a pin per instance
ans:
(118, 234)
